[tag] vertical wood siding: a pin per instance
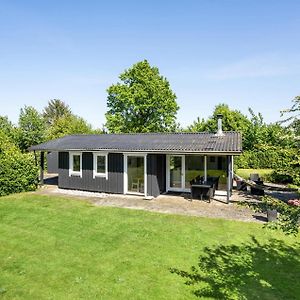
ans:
(113, 184)
(52, 162)
(156, 174)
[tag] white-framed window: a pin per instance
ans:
(100, 165)
(75, 163)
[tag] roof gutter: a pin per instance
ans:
(146, 151)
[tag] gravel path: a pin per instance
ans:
(169, 204)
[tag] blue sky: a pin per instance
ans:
(243, 53)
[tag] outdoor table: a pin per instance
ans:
(203, 189)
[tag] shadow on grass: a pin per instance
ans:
(248, 271)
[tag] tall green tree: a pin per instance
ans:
(7, 127)
(31, 129)
(69, 124)
(255, 131)
(142, 102)
(259, 134)
(54, 110)
(292, 119)
(293, 115)
(233, 120)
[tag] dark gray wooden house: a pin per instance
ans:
(147, 164)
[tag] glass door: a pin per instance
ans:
(135, 174)
(176, 172)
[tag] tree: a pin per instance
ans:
(233, 120)
(142, 102)
(264, 145)
(255, 131)
(199, 125)
(54, 110)
(69, 124)
(31, 128)
(7, 127)
(260, 134)
(292, 169)
(294, 115)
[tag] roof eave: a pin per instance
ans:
(204, 152)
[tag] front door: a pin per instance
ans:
(175, 172)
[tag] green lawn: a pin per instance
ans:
(57, 248)
(245, 173)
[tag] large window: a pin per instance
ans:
(217, 166)
(182, 169)
(75, 164)
(194, 166)
(100, 165)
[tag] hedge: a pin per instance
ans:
(18, 172)
(269, 157)
(284, 161)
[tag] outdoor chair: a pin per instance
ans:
(141, 187)
(214, 187)
(256, 178)
(257, 191)
(199, 178)
(193, 181)
(241, 185)
(215, 182)
(135, 186)
(201, 192)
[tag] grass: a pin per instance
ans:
(245, 173)
(57, 248)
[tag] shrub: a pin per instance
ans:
(18, 172)
(270, 157)
(280, 177)
(284, 161)
(288, 214)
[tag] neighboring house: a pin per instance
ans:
(148, 164)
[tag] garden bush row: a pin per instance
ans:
(284, 161)
(18, 172)
(268, 157)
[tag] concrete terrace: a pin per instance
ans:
(170, 203)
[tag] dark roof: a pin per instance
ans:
(204, 142)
